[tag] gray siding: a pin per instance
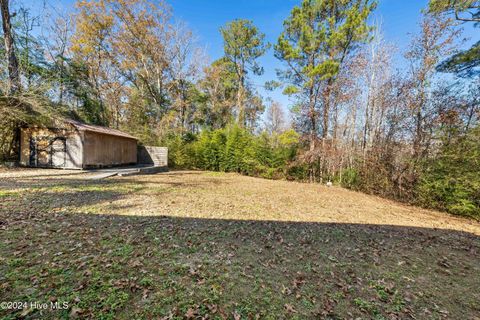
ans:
(157, 156)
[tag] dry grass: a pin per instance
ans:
(200, 244)
(231, 196)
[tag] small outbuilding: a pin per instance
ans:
(76, 145)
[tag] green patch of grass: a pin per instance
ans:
(398, 303)
(105, 295)
(146, 282)
(381, 292)
(11, 193)
(17, 262)
(123, 250)
(366, 306)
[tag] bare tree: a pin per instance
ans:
(435, 41)
(377, 73)
(56, 34)
(275, 118)
(186, 62)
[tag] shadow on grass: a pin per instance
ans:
(151, 267)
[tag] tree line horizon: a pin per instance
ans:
(411, 135)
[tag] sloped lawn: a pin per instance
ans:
(214, 246)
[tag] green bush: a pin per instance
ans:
(451, 180)
(180, 152)
(350, 179)
(298, 172)
(235, 149)
(209, 150)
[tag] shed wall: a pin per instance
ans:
(74, 150)
(106, 150)
(24, 147)
(71, 158)
(157, 156)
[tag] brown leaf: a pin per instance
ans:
(26, 312)
(286, 290)
(298, 282)
(137, 263)
(145, 294)
(289, 308)
(212, 308)
(236, 316)
(190, 313)
(75, 312)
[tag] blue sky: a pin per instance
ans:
(205, 17)
(400, 21)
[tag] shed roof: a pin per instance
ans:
(99, 129)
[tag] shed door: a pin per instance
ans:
(57, 152)
(43, 152)
(47, 152)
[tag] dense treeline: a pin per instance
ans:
(409, 134)
(234, 149)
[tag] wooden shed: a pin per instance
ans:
(76, 145)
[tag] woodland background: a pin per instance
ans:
(411, 135)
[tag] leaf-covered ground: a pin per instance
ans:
(199, 245)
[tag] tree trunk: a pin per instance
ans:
(313, 131)
(366, 128)
(240, 102)
(326, 108)
(418, 135)
(13, 72)
(418, 139)
(367, 125)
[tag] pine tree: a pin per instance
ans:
(243, 44)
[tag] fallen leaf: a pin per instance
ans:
(236, 316)
(190, 314)
(75, 312)
(289, 308)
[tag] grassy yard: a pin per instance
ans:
(200, 245)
